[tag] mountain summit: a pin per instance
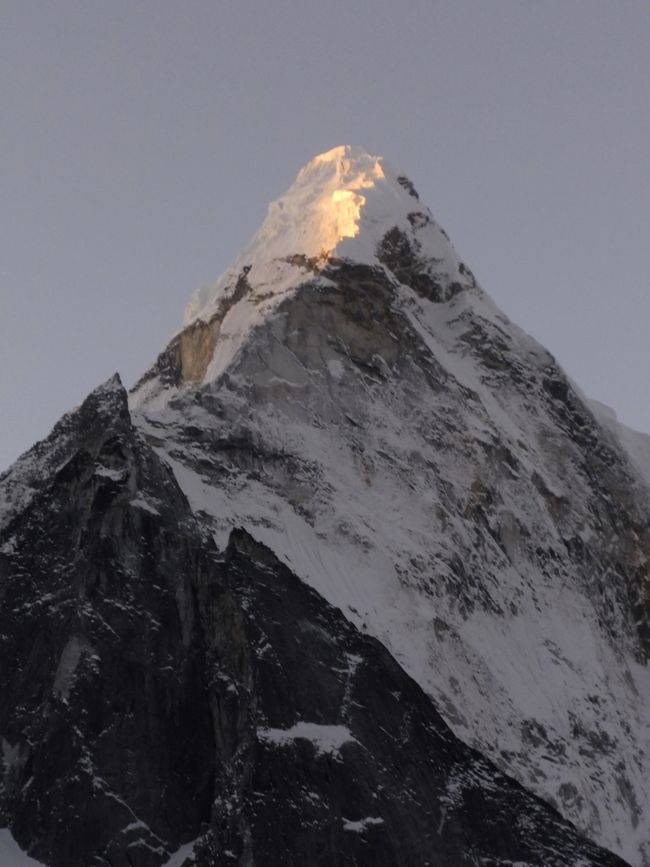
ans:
(355, 575)
(341, 206)
(345, 206)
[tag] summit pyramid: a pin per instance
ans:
(353, 575)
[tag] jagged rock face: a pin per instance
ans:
(409, 435)
(156, 691)
(107, 738)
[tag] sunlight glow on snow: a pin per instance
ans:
(343, 216)
(340, 206)
(341, 211)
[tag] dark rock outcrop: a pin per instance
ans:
(107, 736)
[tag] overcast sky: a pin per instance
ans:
(142, 141)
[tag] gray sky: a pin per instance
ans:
(142, 141)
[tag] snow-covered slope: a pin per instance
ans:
(351, 396)
(11, 855)
(166, 702)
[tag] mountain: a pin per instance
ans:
(355, 575)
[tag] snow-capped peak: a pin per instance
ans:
(326, 206)
(341, 205)
(346, 206)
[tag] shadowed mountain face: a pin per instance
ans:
(156, 691)
(351, 526)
